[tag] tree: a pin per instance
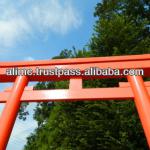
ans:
(122, 28)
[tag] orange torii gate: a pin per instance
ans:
(135, 88)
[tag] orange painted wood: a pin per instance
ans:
(10, 111)
(75, 84)
(136, 89)
(74, 94)
(127, 84)
(115, 62)
(75, 61)
(142, 102)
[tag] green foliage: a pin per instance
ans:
(122, 28)
(118, 37)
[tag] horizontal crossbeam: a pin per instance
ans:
(73, 95)
(115, 62)
(127, 84)
(75, 61)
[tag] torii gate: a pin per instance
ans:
(135, 88)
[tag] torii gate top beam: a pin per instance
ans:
(114, 62)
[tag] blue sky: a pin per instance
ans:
(36, 30)
(40, 30)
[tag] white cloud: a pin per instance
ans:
(29, 58)
(12, 30)
(52, 15)
(27, 18)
